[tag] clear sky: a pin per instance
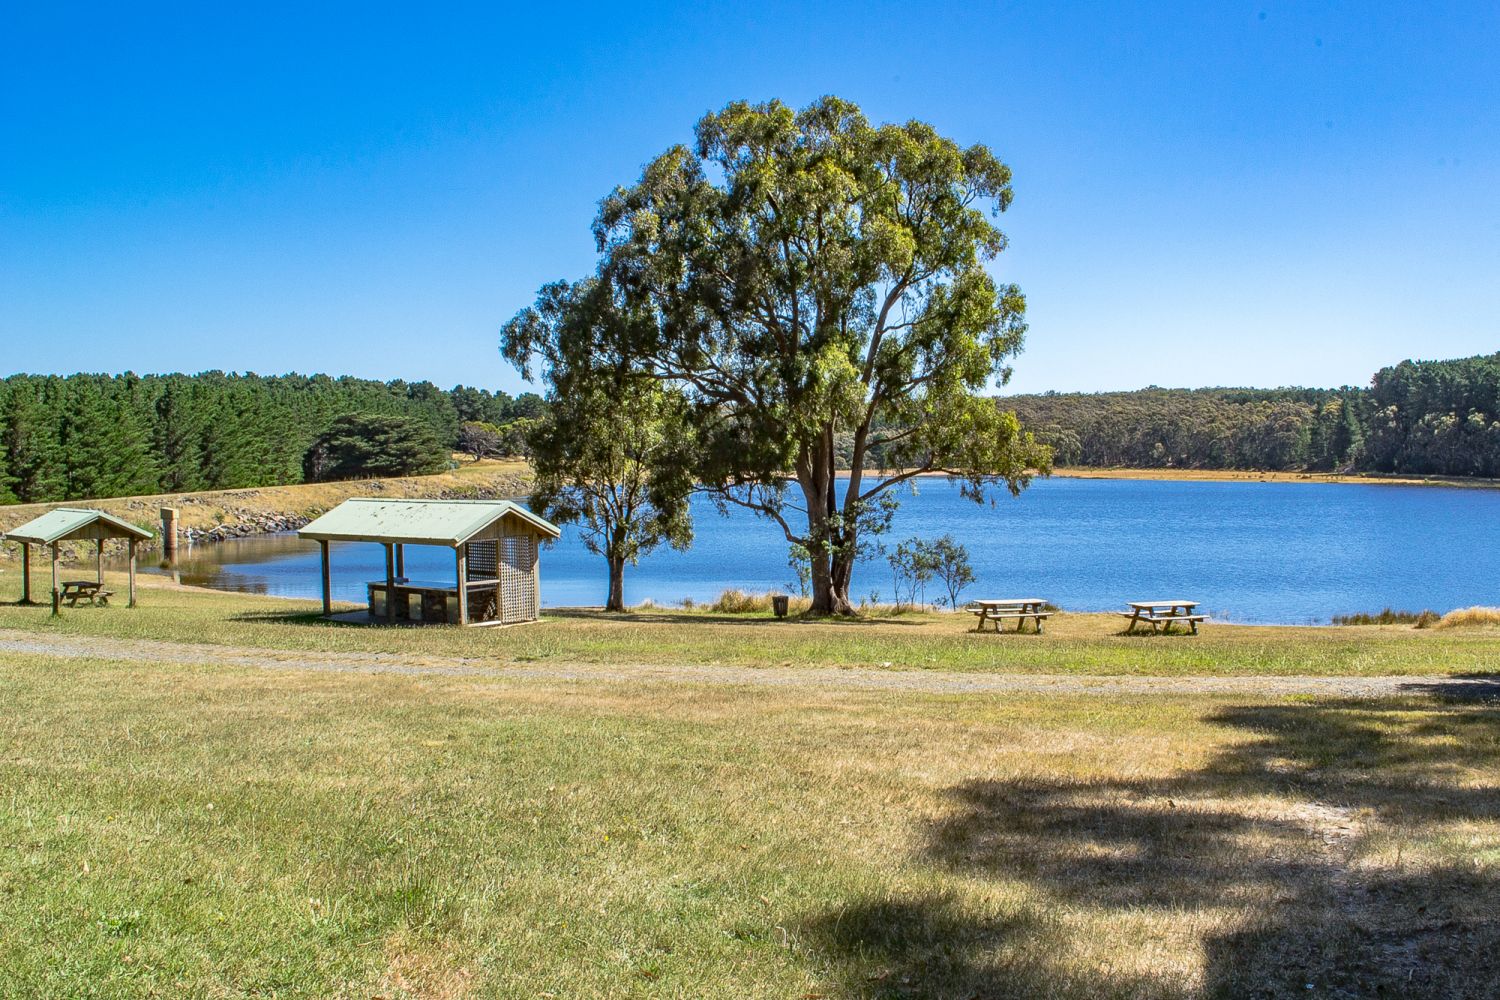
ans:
(1207, 193)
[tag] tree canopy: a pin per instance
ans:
(802, 275)
(373, 445)
(613, 459)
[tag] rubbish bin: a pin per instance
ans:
(779, 604)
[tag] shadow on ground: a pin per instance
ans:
(663, 616)
(1261, 848)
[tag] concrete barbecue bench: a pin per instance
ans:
(1162, 615)
(1019, 608)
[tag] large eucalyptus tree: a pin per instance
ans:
(811, 284)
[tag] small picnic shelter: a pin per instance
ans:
(69, 524)
(496, 544)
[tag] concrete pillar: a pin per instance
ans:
(169, 533)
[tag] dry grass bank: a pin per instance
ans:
(200, 512)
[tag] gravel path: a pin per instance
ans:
(816, 678)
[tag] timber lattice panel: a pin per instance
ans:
(517, 558)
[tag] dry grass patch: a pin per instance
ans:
(1469, 617)
(305, 835)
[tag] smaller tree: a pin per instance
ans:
(950, 564)
(612, 459)
(912, 567)
(800, 563)
(371, 445)
(479, 440)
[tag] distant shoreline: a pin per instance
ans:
(1246, 475)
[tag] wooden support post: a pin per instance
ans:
(99, 561)
(327, 581)
(131, 595)
(56, 593)
(461, 557)
(390, 584)
(25, 572)
(401, 560)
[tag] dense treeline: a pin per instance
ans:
(1417, 417)
(1200, 428)
(117, 435)
(1436, 417)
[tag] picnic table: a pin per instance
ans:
(92, 591)
(1019, 608)
(1162, 615)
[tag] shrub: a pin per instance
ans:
(737, 602)
(1469, 616)
(1389, 616)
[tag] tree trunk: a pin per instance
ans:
(616, 600)
(830, 576)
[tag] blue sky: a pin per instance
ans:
(1206, 193)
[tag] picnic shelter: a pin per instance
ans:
(496, 545)
(69, 524)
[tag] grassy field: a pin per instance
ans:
(202, 831)
(1073, 643)
(197, 829)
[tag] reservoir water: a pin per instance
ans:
(1249, 551)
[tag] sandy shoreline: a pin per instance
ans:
(1243, 475)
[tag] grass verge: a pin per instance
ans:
(1073, 643)
(210, 831)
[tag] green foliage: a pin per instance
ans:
(613, 459)
(1199, 428)
(88, 436)
(951, 566)
(368, 445)
(1389, 616)
(912, 568)
(916, 562)
(803, 275)
(1436, 417)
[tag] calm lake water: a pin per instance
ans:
(1248, 551)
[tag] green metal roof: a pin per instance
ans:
(417, 522)
(62, 523)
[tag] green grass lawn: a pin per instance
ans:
(185, 829)
(1073, 643)
(226, 832)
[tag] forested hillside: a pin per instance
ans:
(1418, 417)
(120, 435)
(1435, 417)
(1199, 428)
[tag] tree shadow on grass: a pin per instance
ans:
(668, 616)
(1260, 848)
(312, 618)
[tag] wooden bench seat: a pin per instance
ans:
(1163, 620)
(1012, 614)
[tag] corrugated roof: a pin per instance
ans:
(417, 522)
(57, 525)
